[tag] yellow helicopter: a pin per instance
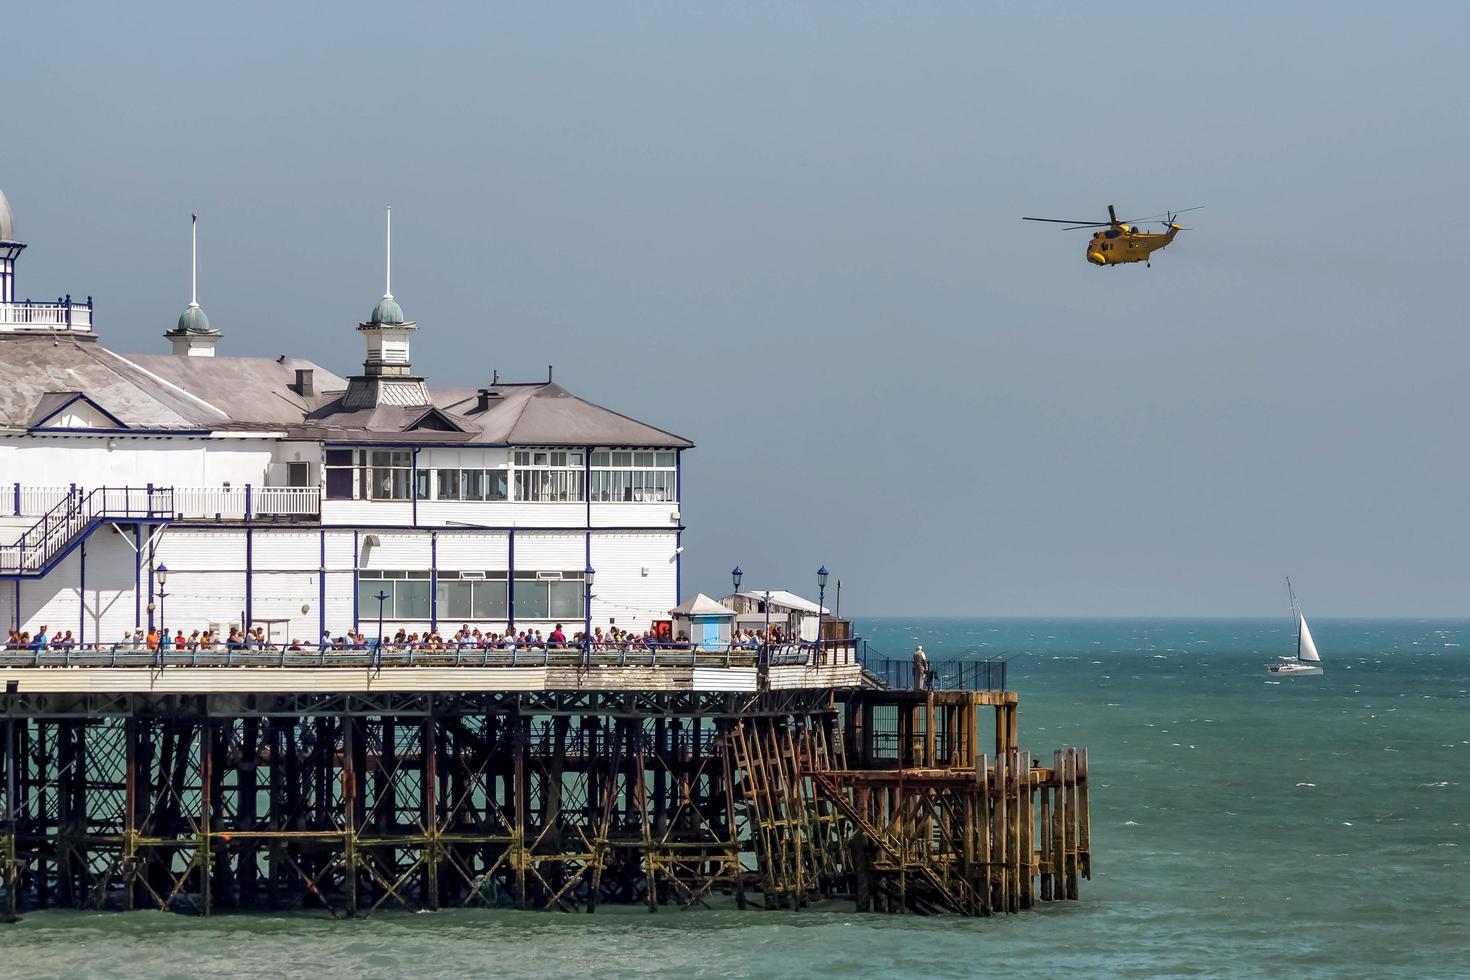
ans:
(1122, 241)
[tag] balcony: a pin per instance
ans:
(221, 503)
(62, 316)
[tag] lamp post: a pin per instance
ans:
(587, 575)
(382, 597)
(161, 574)
(822, 574)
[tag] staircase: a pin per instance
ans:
(41, 547)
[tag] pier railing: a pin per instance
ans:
(104, 655)
(942, 675)
(220, 654)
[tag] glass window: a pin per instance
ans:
(556, 599)
(553, 476)
(566, 599)
(488, 600)
(411, 598)
(387, 474)
(339, 483)
(454, 599)
(472, 484)
(636, 476)
(367, 598)
(448, 484)
(532, 600)
(497, 485)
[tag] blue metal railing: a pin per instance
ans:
(119, 655)
(942, 675)
(56, 529)
(657, 654)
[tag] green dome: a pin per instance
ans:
(387, 312)
(193, 320)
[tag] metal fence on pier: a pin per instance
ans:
(969, 674)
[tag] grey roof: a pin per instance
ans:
(248, 392)
(541, 414)
(7, 220)
(546, 414)
(701, 605)
(37, 366)
(170, 391)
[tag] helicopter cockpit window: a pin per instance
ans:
(1112, 233)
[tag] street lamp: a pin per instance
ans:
(382, 597)
(735, 576)
(161, 574)
(822, 574)
(587, 576)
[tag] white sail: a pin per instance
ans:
(1305, 648)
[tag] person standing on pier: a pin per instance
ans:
(921, 668)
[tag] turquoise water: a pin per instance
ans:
(1312, 827)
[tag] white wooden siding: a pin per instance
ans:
(635, 578)
(133, 461)
(551, 552)
(476, 552)
(367, 512)
(397, 550)
(635, 515)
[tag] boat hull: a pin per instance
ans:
(1294, 670)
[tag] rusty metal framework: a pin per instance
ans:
(349, 804)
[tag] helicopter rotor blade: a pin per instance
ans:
(1166, 214)
(1100, 224)
(1068, 221)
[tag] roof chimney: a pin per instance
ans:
(486, 396)
(303, 383)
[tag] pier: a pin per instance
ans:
(354, 784)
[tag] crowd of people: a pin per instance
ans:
(465, 638)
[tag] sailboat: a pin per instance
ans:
(1306, 663)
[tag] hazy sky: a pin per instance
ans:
(790, 232)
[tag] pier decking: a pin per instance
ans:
(352, 788)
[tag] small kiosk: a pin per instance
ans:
(706, 622)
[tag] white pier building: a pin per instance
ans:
(278, 493)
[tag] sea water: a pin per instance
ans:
(1242, 826)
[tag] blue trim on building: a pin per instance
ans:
(679, 534)
(137, 576)
(121, 433)
(510, 581)
(82, 594)
(152, 554)
(356, 579)
(433, 581)
(249, 611)
(321, 593)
